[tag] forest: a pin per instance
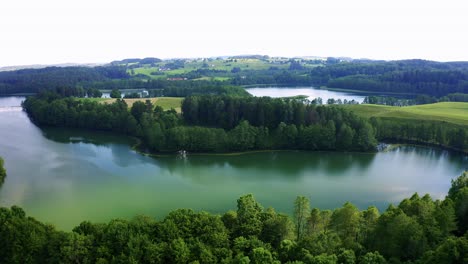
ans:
(233, 124)
(182, 77)
(410, 76)
(425, 132)
(213, 123)
(417, 230)
(51, 78)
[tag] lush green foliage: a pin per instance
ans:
(418, 230)
(2, 172)
(444, 124)
(94, 93)
(285, 124)
(115, 93)
(35, 80)
(259, 123)
(455, 97)
(411, 76)
(181, 77)
(226, 123)
(420, 99)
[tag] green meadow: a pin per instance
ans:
(451, 112)
(166, 103)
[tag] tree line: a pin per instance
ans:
(161, 87)
(428, 132)
(418, 100)
(418, 230)
(411, 77)
(230, 123)
(78, 81)
(51, 78)
(213, 123)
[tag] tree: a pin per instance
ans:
(398, 235)
(261, 255)
(276, 227)
(115, 93)
(301, 213)
(93, 92)
(76, 249)
(344, 139)
(452, 250)
(178, 251)
(373, 258)
(458, 193)
(346, 257)
(242, 137)
(138, 108)
(365, 139)
(345, 222)
(2, 172)
(248, 216)
(368, 223)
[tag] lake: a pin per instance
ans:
(64, 176)
(311, 92)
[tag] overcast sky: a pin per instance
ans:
(60, 31)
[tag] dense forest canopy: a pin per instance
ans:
(182, 77)
(237, 123)
(213, 123)
(35, 80)
(410, 76)
(418, 230)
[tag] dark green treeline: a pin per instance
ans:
(418, 230)
(214, 123)
(425, 132)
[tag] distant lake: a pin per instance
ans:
(311, 92)
(64, 176)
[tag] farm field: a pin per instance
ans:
(211, 64)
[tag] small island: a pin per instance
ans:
(2, 171)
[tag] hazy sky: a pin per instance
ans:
(59, 31)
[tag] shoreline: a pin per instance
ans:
(390, 146)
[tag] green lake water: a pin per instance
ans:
(63, 176)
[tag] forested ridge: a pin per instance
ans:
(418, 230)
(411, 76)
(51, 78)
(180, 78)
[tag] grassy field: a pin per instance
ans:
(243, 64)
(451, 112)
(165, 102)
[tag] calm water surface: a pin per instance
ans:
(311, 92)
(64, 176)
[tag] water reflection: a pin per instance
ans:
(64, 176)
(285, 164)
(311, 92)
